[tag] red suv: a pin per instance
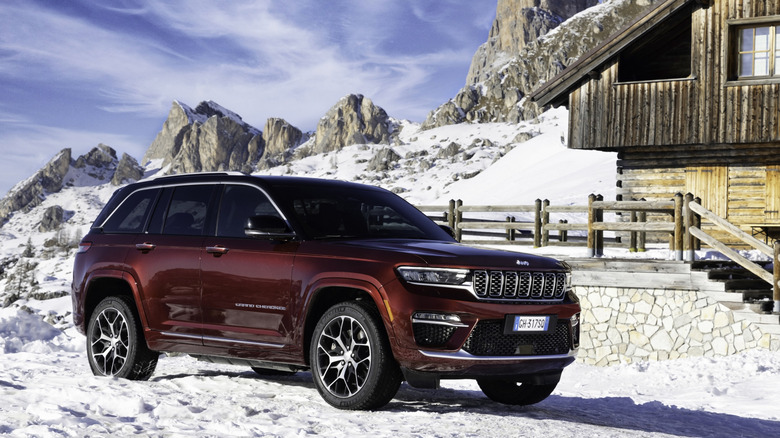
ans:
(286, 274)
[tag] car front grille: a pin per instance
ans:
(519, 285)
(488, 339)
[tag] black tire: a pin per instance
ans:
(351, 362)
(115, 342)
(511, 392)
(271, 372)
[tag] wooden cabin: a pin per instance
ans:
(688, 95)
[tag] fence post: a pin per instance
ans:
(510, 232)
(642, 236)
(591, 232)
(451, 215)
(600, 234)
(678, 226)
(545, 221)
(538, 223)
(697, 223)
(776, 278)
(458, 220)
(690, 246)
(563, 235)
(632, 238)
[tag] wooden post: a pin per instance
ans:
(545, 221)
(458, 220)
(510, 232)
(591, 232)
(563, 235)
(776, 278)
(538, 223)
(632, 239)
(678, 227)
(642, 236)
(600, 234)
(690, 246)
(451, 215)
(697, 223)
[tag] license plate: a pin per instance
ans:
(529, 323)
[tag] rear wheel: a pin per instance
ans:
(511, 392)
(351, 362)
(115, 343)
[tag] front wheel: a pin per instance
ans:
(115, 343)
(351, 362)
(511, 392)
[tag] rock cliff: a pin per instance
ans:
(281, 139)
(353, 120)
(526, 46)
(98, 165)
(208, 138)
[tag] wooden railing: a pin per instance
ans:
(694, 231)
(683, 227)
(544, 230)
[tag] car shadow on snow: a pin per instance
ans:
(612, 412)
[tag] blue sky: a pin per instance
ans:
(77, 73)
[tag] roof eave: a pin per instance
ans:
(556, 90)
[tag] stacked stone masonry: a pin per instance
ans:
(623, 325)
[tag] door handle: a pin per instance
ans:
(217, 250)
(145, 247)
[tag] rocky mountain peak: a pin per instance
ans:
(208, 138)
(530, 41)
(99, 165)
(353, 120)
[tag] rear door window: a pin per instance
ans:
(188, 210)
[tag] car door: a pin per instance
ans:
(166, 263)
(246, 281)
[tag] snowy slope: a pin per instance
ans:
(48, 390)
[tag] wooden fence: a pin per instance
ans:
(679, 218)
(543, 225)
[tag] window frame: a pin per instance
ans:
(733, 35)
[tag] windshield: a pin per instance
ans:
(327, 212)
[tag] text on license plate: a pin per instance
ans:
(531, 324)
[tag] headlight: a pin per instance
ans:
(446, 276)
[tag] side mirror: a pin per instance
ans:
(268, 227)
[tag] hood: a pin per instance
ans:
(452, 254)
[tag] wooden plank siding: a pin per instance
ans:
(707, 134)
(703, 109)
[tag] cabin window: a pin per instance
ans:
(759, 51)
(662, 54)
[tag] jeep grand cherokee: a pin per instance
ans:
(286, 274)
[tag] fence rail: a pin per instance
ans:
(680, 219)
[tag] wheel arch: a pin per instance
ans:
(110, 283)
(327, 296)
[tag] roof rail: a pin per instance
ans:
(178, 175)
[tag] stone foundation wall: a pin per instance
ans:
(623, 325)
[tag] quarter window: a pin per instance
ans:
(759, 51)
(130, 216)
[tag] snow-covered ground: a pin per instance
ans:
(47, 389)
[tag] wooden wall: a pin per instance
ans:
(701, 110)
(706, 134)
